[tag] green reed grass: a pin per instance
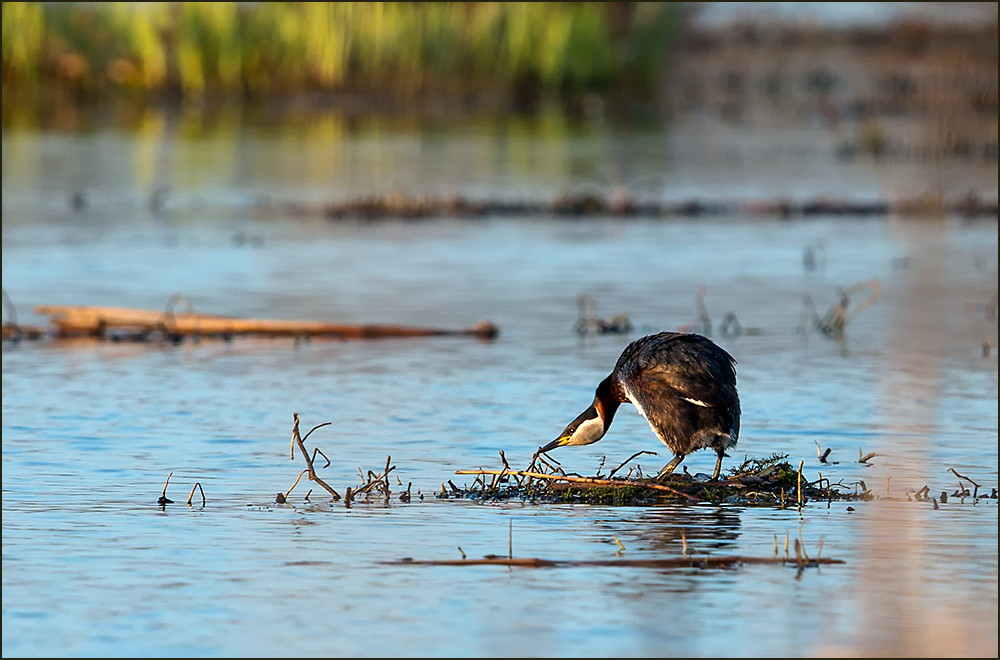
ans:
(194, 49)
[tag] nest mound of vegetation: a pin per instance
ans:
(771, 481)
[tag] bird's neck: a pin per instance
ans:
(606, 400)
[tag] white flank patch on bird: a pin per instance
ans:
(635, 403)
(696, 402)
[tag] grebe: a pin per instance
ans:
(685, 387)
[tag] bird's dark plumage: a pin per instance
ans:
(685, 387)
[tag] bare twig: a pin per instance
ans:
(800, 484)
(318, 426)
(623, 463)
(197, 485)
(547, 460)
(961, 476)
(305, 454)
(372, 481)
(163, 496)
(317, 450)
(823, 455)
(289, 492)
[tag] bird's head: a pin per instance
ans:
(586, 429)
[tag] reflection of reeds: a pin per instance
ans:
(195, 48)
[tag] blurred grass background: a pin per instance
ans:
(916, 86)
(231, 50)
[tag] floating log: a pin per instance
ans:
(124, 322)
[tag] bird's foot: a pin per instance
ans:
(669, 468)
(718, 465)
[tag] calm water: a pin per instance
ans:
(91, 566)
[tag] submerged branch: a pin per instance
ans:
(678, 562)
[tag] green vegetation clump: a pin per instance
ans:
(608, 495)
(234, 49)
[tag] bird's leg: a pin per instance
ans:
(718, 464)
(670, 467)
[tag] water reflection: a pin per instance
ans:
(675, 530)
(204, 160)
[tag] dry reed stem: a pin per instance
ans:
(197, 485)
(800, 484)
(623, 463)
(960, 476)
(163, 496)
(317, 450)
(376, 480)
(582, 480)
(305, 454)
(289, 491)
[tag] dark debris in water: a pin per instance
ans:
(621, 203)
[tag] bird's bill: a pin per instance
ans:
(566, 437)
(558, 442)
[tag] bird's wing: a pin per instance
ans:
(702, 377)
